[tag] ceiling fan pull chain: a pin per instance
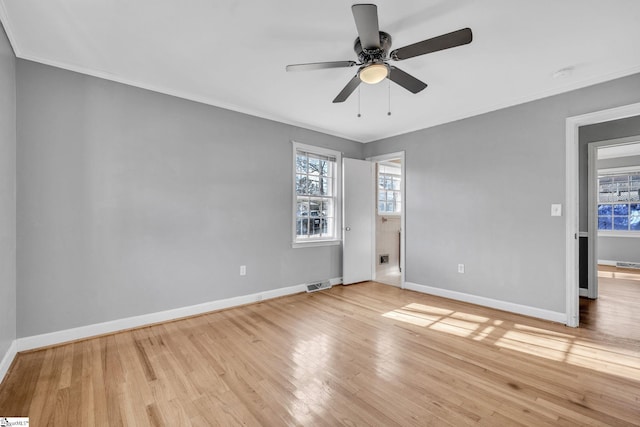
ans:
(389, 110)
(359, 115)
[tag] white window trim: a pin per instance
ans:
(618, 171)
(618, 233)
(337, 239)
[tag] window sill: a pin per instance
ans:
(315, 243)
(635, 234)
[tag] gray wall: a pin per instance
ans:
(479, 191)
(619, 248)
(131, 202)
(7, 195)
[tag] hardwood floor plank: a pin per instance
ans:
(365, 354)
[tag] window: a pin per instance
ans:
(619, 202)
(389, 189)
(316, 184)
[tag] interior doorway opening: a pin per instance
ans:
(389, 184)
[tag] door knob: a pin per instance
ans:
(347, 228)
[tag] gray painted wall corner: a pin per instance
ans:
(7, 195)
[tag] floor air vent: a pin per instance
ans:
(628, 265)
(318, 286)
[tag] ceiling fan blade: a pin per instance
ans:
(405, 80)
(348, 89)
(366, 17)
(320, 65)
(445, 41)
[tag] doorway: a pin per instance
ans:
(572, 199)
(389, 219)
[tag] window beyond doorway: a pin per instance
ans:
(389, 189)
(619, 202)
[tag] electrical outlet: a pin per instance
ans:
(243, 270)
(460, 268)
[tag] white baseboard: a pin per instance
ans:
(584, 292)
(59, 337)
(607, 262)
(489, 302)
(7, 360)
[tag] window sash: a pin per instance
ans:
(315, 194)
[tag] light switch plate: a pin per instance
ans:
(556, 210)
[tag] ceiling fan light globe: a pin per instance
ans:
(374, 73)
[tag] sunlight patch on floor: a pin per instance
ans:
(538, 342)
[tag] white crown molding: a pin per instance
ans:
(489, 302)
(579, 84)
(4, 19)
(179, 94)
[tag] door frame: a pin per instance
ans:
(572, 143)
(381, 158)
(592, 147)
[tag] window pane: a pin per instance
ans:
(396, 184)
(314, 166)
(302, 208)
(604, 223)
(326, 186)
(621, 209)
(634, 217)
(606, 197)
(605, 209)
(381, 206)
(634, 188)
(302, 226)
(389, 207)
(398, 207)
(620, 223)
(302, 185)
(326, 208)
(313, 186)
(301, 163)
(327, 226)
(622, 188)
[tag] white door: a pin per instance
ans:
(357, 221)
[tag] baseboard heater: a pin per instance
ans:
(318, 286)
(628, 265)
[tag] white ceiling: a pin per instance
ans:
(233, 53)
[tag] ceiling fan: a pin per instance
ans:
(372, 48)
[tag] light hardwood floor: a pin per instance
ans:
(617, 310)
(365, 354)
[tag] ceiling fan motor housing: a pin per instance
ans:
(367, 56)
